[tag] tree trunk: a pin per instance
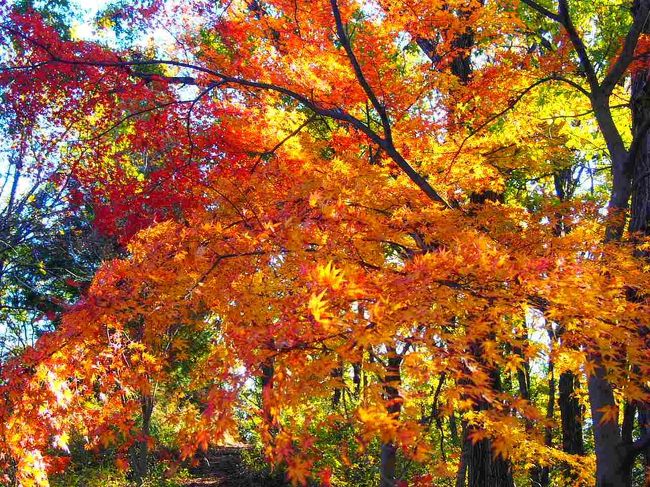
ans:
(356, 377)
(640, 207)
(268, 370)
(570, 414)
(541, 476)
(612, 469)
(640, 152)
(483, 468)
(140, 451)
(486, 471)
(392, 381)
(461, 473)
(644, 429)
(614, 458)
(337, 373)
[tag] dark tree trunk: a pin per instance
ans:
(356, 377)
(461, 473)
(570, 414)
(483, 468)
(644, 429)
(337, 373)
(640, 207)
(640, 153)
(541, 476)
(267, 392)
(392, 381)
(612, 467)
(486, 471)
(140, 451)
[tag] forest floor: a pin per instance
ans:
(225, 467)
(221, 467)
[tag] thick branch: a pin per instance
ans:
(334, 113)
(565, 19)
(345, 42)
(542, 10)
(623, 61)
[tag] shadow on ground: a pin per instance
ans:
(225, 467)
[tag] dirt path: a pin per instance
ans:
(206, 482)
(222, 467)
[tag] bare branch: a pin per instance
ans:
(511, 105)
(282, 142)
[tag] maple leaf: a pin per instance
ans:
(298, 471)
(318, 307)
(609, 414)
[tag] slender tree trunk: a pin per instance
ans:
(570, 414)
(640, 152)
(140, 451)
(267, 395)
(392, 381)
(611, 453)
(541, 476)
(337, 373)
(356, 377)
(640, 206)
(644, 429)
(461, 473)
(483, 468)
(453, 429)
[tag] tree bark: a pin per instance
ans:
(611, 453)
(640, 205)
(486, 471)
(621, 168)
(140, 451)
(640, 151)
(570, 414)
(337, 373)
(483, 468)
(644, 428)
(268, 371)
(392, 381)
(541, 476)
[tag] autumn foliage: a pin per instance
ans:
(353, 205)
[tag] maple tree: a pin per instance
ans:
(372, 210)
